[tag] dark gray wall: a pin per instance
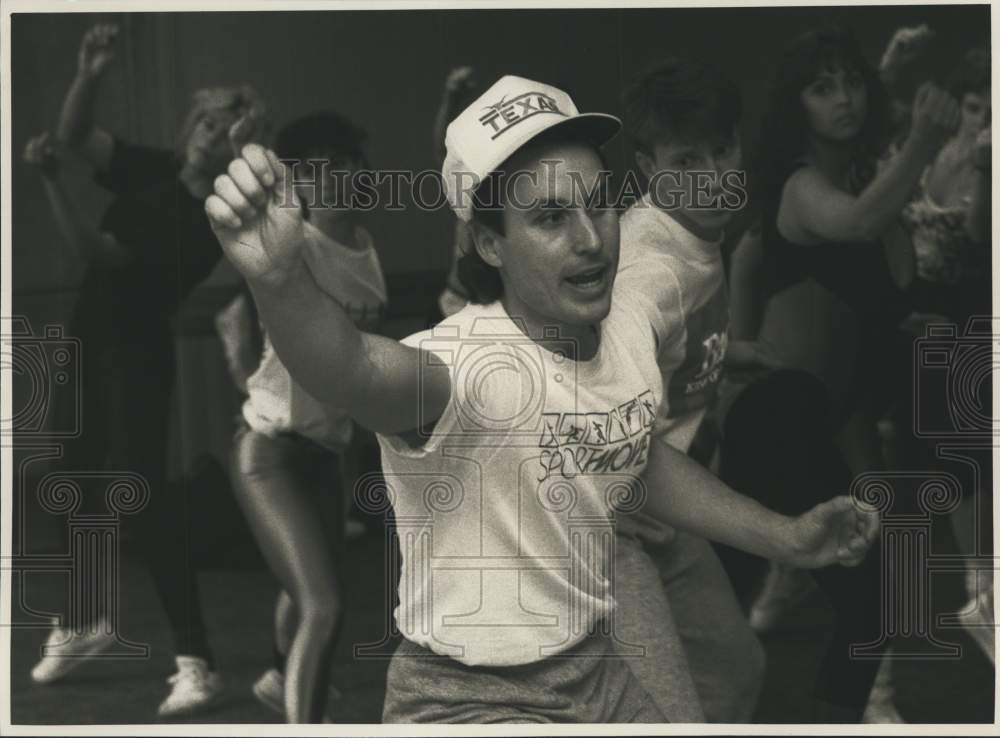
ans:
(385, 70)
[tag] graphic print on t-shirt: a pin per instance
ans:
(693, 384)
(597, 443)
(506, 530)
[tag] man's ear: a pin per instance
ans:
(487, 243)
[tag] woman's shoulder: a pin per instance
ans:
(805, 179)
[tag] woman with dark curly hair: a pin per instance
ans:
(832, 266)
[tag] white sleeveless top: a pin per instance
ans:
(276, 403)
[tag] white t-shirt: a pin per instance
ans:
(504, 515)
(276, 403)
(657, 254)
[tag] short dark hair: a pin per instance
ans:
(680, 99)
(325, 131)
(481, 280)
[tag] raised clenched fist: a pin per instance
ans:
(906, 45)
(40, 152)
(460, 82)
(97, 49)
(257, 217)
(936, 116)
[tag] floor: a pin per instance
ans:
(238, 598)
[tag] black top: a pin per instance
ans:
(173, 249)
(858, 273)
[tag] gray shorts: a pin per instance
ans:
(589, 683)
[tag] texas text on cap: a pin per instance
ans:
(502, 120)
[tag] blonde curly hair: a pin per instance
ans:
(240, 100)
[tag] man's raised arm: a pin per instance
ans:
(384, 385)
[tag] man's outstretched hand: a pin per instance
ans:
(257, 218)
(838, 531)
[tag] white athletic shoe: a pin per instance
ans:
(65, 650)
(881, 707)
(270, 692)
(784, 588)
(977, 619)
(194, 688)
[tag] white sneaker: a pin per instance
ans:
(66, 649)
(881, 707)
(784, 588)
(194, 688)
(270, 692)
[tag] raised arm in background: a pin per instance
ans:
(77, 130)
(87, 242)
(814, 209)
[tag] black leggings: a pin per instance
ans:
(125, 401)
(289, 490)
(779, 448)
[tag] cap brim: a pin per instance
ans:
(595, 128)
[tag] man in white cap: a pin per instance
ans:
(514, 430)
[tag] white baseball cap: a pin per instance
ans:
(502, 120)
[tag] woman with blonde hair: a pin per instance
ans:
(151, 249)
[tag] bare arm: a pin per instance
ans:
(813, 209)
(746, 291)
(87, 241)
(978, 221)
(76, 119)
(234, 325)
(456, 88)
(386, 386)
(682, 493)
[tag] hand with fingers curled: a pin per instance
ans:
(936, 115)
(40, 152)
(257, 218)
(906, 44)
(838, 531)
(97, 50)
(460, 82)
